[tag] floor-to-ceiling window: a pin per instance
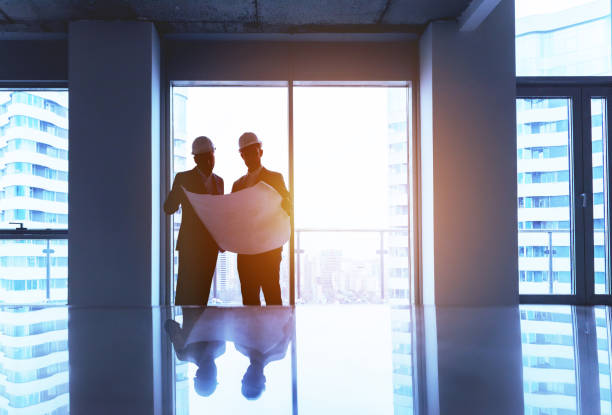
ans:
(350, 171)
(564, 64)
(351, 193)
(223, 113)
(34, 250)
(33, 195)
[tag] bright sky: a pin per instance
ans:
(341, 145)
(533, 7)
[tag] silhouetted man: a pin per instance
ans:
(197, 249)
(261, 271)
(202, 353)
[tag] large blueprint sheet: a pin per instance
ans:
(250, 221)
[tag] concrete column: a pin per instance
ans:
(116, 361)
(468, 150)
(114, 163)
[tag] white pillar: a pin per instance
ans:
(468, 160)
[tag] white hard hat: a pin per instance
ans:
(202, 145)
(247, 139)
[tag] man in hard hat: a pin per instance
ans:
(197, 249)
(260, 271)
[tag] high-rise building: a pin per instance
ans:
(179, 160)
(567, 42)
(397, 264)
(330, 267)
(34, 193)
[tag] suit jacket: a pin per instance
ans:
(192, 234)
(272, 178)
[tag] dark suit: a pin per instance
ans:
(261, 271)
(197, 249)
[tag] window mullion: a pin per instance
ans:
(582, 115)
(579, 193)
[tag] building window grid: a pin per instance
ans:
(32, 128)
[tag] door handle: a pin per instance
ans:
(584, 198)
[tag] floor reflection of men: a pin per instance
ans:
(260, 334)
(201, 353)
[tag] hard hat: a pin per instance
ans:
(202, 145)
(247, 139)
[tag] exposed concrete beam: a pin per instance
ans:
(476, 13)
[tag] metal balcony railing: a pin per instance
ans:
(381, 251)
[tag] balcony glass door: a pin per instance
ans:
(562, 191)
(544, 194)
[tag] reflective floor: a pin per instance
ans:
(366, 359)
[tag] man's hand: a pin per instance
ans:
(287, 206)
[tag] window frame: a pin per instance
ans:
(579, 90)
(39, 234)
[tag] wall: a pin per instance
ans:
(468, 161)
(34, 60)
(252, 60)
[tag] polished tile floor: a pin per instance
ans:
(361, 359)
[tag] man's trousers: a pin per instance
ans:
(195, 274)
(260, 272)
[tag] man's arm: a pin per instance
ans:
(282, 190)
(173, 200)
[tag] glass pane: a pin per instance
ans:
(34, 158)
(549, 363)
(35, 375)
(603, 359)
(599, 138)
(544, 208)
(223, 114)
(563, 38)
(33, 271)
(351, 194)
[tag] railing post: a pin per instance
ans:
(48, 251)
(298, 251)
(381, 251)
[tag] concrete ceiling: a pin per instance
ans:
(233, 16)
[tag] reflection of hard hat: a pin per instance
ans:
(202, 145)
(205, 380)
(247, 139)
